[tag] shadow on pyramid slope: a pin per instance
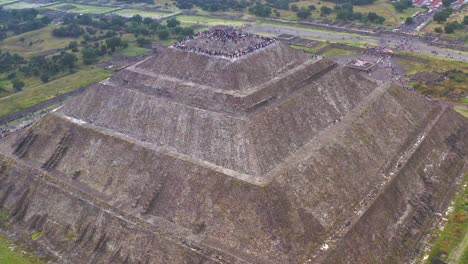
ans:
(333, 168)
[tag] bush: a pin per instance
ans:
(18, 85)
(260, 10)
(163, 34)
(438, 30)
(172, 22)
(409, 21)
(325, 11)
(442, 15)
(45, 78)
(402, 5)
(303, 13)
(294, 8)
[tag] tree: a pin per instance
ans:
(465, 20)
(143, 41)
(325, 11)
(45, 77)
(147, 20)
(452, 26)
(68, 60)
(294, 8)
(409, 21)
(449, 28)
(18, 85)
(303, 13)
(163, 34)
(438, 30)
(73, 45)
(402, 5)
(172, 22)
(89, 55)
(447, 3)
(260, 10)
(113, 43)
(440, 17)
(137, 19)
(312, 8)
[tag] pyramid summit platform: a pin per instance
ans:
(274, 156)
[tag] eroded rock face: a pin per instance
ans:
(275, 157)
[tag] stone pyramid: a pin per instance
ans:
(271, 155)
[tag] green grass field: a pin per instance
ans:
(336, 52)
(2, 2)
(132, 51)
(82, 9)
(22, 5)
(10, 253)
(150, 14)
(385, 9)
(207, 21)
(462, 110)
(311, 50)
(42, 41)
(35, 93)
(451, 244)
(449, 85)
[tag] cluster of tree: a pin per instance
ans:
(352, 2)
(45, 67)
(148, 27)
(9, 61)
(401, 5)
(214, 5)
(71, 30)
(20, 21)
(89, 38)
(442, 15)
(450, 27)
(261, 10)
(116, 23)
(281, 4)
(345, 12)
(91, 53)
(304, 13)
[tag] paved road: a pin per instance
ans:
(406, 44)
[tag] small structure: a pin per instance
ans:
(361, 65)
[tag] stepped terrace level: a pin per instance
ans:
(225, 42)
(275, 157)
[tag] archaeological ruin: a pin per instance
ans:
(258, 154)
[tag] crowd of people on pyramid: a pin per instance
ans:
(225, 36)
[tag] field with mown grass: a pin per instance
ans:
(22, 5)
(133, 51)
(2, 2)
(35, 42)
(82, 9)
(337, 52)
(36, 92)
(150, 14)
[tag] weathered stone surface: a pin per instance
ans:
(276, 157)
